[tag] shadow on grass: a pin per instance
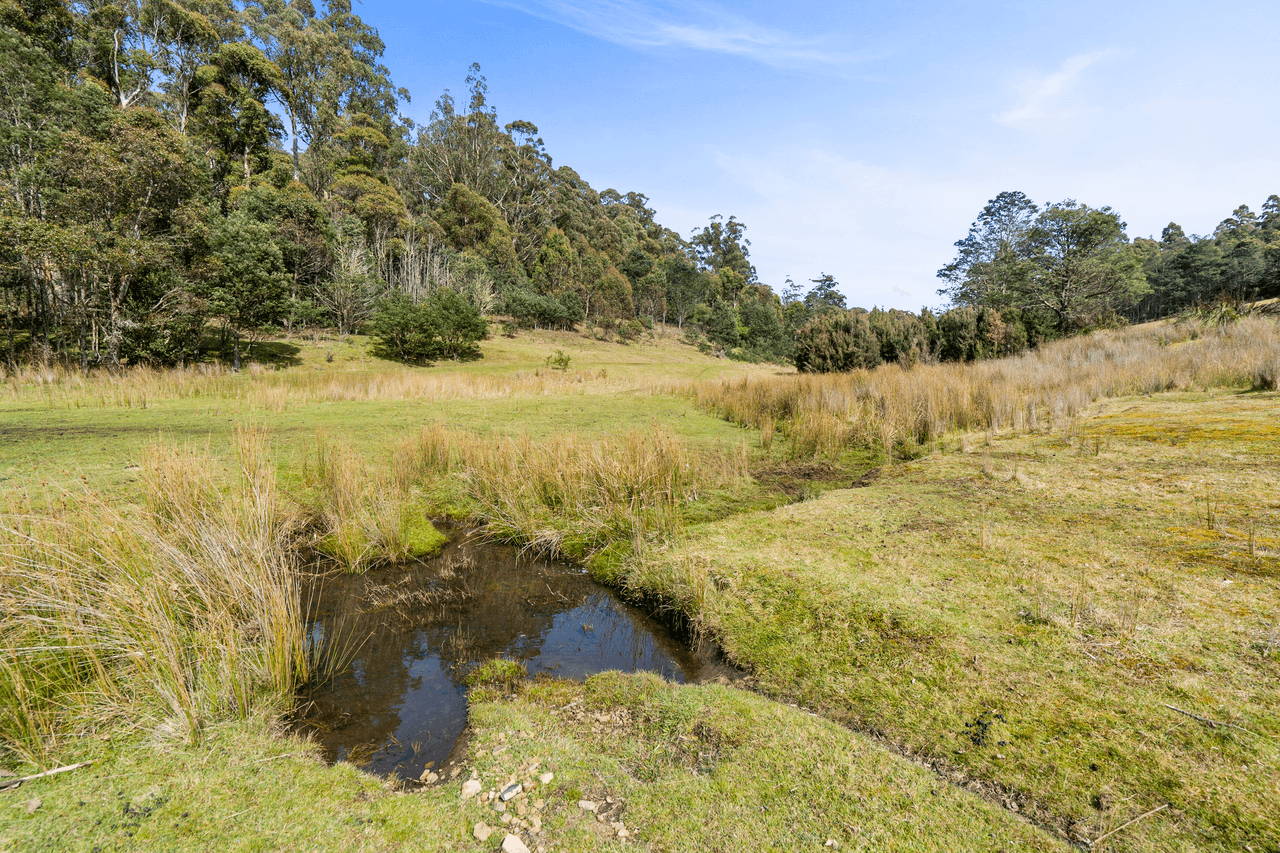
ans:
(276, 353)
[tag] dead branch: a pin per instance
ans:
(13, 783)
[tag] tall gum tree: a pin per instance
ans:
(1082, 268)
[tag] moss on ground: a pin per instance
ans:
(1031, 615)
(1049, 619)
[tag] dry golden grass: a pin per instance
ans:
(161, 621)
(571, 494)
(902, 410)
(274, 390)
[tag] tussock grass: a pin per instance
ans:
(568, 494)
(904, 410)
(1078, 593)
(157, 621)
(365, 514)
(265, 389)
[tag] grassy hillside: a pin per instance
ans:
(1046, 608)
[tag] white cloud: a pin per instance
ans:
(875, 228)
(696, 26)
(1045, 98)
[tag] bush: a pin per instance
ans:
(630, 330)
(837, 341)
(444, 325)
(543, 311)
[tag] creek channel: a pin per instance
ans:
(413, 631)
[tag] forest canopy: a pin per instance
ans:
(183, 177)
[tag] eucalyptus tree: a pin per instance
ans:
(231, 116)
(330, 66)
(506, 165)
(1081, 266)
(144, 49)
(721, 244)
(991, 265)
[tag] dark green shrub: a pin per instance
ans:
(837, 341)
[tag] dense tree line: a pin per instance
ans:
(183, 176)
(1025, 274)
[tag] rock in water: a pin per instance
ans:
(513, 844)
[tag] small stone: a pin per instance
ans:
(522, 809)
(482, 831)
(32, 804)
(513, 844)
(506, 818)
(429, 778)
(586, 805)
(511, 791)
(535, 822)
(623, 833)
(470, 788)
(546, 778)
(499, 806)
(831, 842)
(539, 805)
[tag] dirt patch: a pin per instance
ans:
(868, 477)
(802, 479)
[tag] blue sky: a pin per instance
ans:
(861, 139)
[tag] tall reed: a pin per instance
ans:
(892, 407)
(366, 514)
(162, 620)
(570, 494)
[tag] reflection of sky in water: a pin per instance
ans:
(597, 637)
(401, 703)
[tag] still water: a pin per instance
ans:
(412, 632)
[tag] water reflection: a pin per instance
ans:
(418, 629)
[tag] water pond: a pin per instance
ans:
(414, 631)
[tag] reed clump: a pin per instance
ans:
(365, 514)
(160, 620)
(899, 410)
(571, 495)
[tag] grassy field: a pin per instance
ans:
(1046, 612)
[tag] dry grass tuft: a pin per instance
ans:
(569, 494)
(163, 620)
(903, 410)
(366, 514)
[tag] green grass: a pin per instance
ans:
(1015, 613)
(689, 768)
(1076, 590)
